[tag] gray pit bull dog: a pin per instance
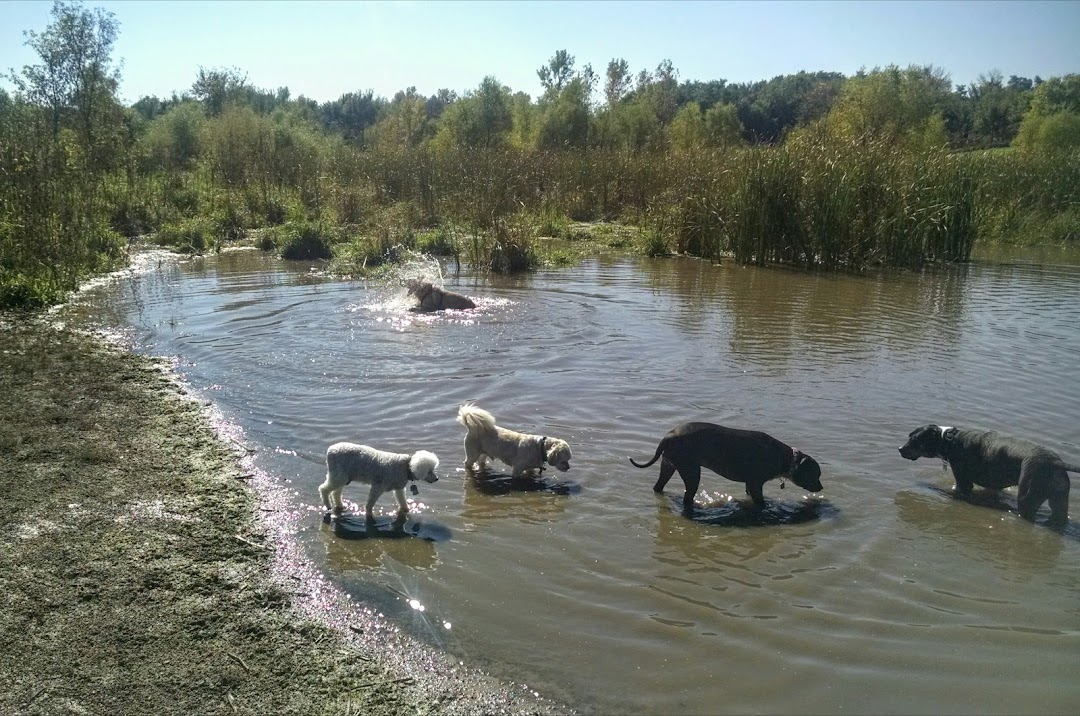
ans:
(995, 461)
(747, 456)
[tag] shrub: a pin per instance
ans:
(186, 235)
(438, 242)
(305, 241)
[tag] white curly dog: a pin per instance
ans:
(522, 452)
(349, 462)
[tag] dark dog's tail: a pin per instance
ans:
(659, 451)
(1071, 468)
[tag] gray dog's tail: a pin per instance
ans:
(659, 452)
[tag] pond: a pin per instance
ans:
(880, 594)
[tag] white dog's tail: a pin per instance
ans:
(475, 418)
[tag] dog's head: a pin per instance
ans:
(419, 288)
(558, 454)
(807, 474)
(423, 465)
(927, 441)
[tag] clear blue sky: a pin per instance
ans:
(323, 49)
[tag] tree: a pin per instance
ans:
(687, 131)
(76, 81)
(215, 87)
(618, 81)
(565, 122)
(352, 113)
(722, 126)
(59, 136)
(437, 103)
(1053, 120)
(557, 72)
(404, 123)
(890, 103)
(171, 141)
(480, 119)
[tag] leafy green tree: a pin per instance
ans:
(565, 117)
(525, 120)
(352, 114)
(60, 135)
(437, 103)
(890, 103)
(171, 141)
(215, 87)
(997, 108)
(618, 81)
(722, 126)
(76, 80)
(404, 122)
(1053, 120)
(482, 118)
(558, 71)
(687, 131)
(566, 106)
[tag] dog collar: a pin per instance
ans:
(944, 439)
(790, 474)
(543, 452)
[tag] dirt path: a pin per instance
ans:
(136, 576)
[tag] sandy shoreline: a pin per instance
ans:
(146, 567)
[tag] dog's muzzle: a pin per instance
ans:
(908, 452)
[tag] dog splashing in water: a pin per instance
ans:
(430, 298)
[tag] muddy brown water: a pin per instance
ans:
(881, 594)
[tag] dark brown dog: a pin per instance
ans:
(745, 456)
(991, 460)
(430, 297)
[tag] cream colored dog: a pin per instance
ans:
(522, 452)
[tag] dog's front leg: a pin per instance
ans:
(754, 490)
(402, 502)
(963, 485)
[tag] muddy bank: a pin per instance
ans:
(145, 568)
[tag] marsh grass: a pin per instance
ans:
(192, 235)
(810, 202)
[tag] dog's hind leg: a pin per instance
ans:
(373, 496)
(667, 469)
(472, 454)
(691, 476)
(1059, 499)
(1033, 488)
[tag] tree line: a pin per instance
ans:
(653, 110)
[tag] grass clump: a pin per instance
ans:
(305, 241)
(191, 235)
